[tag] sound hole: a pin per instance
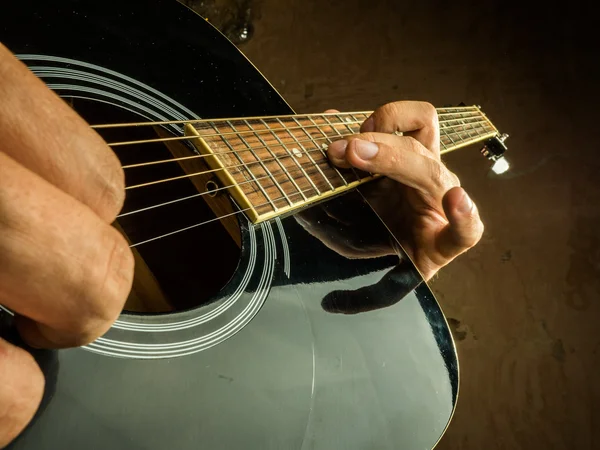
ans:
(187, 269)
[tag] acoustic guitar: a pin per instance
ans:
(272, 308)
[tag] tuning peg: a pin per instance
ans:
(494, 150)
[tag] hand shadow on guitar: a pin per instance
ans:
(47, 360)
(342, 228)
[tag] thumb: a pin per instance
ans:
(465, 227)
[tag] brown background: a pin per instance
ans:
(523, 304)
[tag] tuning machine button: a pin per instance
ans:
(494, 149)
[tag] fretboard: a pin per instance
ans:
(273, 165)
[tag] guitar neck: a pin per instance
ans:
(273, 165)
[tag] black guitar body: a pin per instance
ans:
(298, 346)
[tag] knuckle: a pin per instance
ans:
(437, 175)
(430, 117)
(414, 145)
(112, 193)
(118, 276)
(429, 109)
(371, 137)
(385, 117)
(108, 290)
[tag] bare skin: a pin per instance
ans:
(63, 269)
(67, 272)
(421, 200)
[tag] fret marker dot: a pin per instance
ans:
(348, 119)
(324, 146)
(297, 153)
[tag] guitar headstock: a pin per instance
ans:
(494, 149)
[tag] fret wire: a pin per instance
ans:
(292, 156)
(475, 129)
(468, 131)
(351, 131)
(458, 133)
(474, 125)
(443, 144)
(353, 115)
(205, 136)
(261, 162)
(246, 174)
(441, 114)
(327, 138)
(321, 150)
(308, 154)
(449, 137)
(345, 124)
(276, 158)
(479, 124)
(465, 130)
(465, 141)
(241, 165)
(249, 171)
(448, 121)
(340, 135)
(276, 129)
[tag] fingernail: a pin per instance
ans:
(368, 126)
(466, 204)
(337, 149)
(365, 149)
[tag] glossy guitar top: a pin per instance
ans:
(293, 344)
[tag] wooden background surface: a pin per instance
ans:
(524, 304)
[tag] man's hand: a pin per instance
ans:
(437, 219)
(64, 270)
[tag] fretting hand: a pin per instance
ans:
(421, 201)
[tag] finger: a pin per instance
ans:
(337, 149)
(416, 119)
(400, 158)
(21, 390)
(61, 267)
(464, 229)
(331, 111)
(40, 131)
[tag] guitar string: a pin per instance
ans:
(300, 192)
(460, 110)
(212, 191)
(208, 221)
(269, 129)
(212, 220)
(234, 166)
(273, 142)
(268, 134)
